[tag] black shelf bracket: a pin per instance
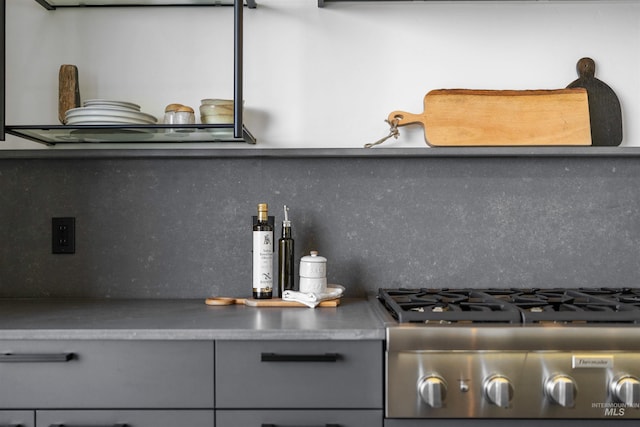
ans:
(238, 41)
(3, 68)
(46, 5)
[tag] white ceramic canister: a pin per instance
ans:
(313, 273)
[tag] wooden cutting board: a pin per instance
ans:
(467, 117)
(605, 112)
(68, 90)
(273, 302)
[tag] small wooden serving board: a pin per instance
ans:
(273, 302)
(468, 117)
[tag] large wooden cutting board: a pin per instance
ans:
(467, 117)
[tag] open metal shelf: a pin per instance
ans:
(210, 151)
(54, 4)
(65, 134)
(52, 135)
(322, 3)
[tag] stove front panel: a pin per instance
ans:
(513, 384)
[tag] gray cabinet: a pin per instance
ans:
(148, 383)
(130, 418)
(284, 383)
(300, 418)
(106, 383)
(106, 374)
(17, 418)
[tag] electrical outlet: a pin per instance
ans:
(63, 235)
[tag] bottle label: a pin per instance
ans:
(263, 261)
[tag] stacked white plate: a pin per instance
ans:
(106, 112)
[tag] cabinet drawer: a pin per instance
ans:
(106, 374)
(300, 418)
(295, 374)
(130, 418)
(17, 418)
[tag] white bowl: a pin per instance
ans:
(217, 119)
(216, 111)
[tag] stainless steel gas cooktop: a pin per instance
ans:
(512, 353)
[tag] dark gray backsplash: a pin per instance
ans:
(180, 228)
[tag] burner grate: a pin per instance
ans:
(573, 305)
(511, 305)
(447, 305)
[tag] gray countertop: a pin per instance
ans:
(183, 319)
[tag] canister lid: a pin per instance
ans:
(172, 107)
(313, 257)
(185, 108)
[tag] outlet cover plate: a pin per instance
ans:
(63, 235)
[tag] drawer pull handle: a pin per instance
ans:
(11, 425)
(88, 425)
(35, 357)
(274, 357)
(273, 425)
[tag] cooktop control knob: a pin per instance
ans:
(626, 389)
(561, 390)
(433, 390)
(498, 390)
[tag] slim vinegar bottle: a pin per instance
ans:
(285, 256)
(263, 255)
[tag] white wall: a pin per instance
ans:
(319, 77)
